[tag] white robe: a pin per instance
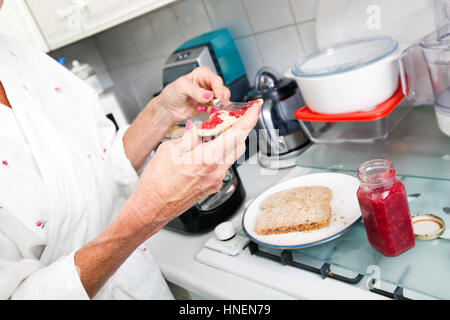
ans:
(63, 177)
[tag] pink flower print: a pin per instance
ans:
(41, 223)
(144, 249)
(104, 150)
(89, 156)
(58, 89)
(4, 162)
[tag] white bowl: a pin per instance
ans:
(349, 77)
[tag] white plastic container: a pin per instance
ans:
(352, 76)
(86, 73)
(425, 70)
(443, 119)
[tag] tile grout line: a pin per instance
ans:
(139, 62)
(296, 28)
(148, 21)
(134, 42)
(95, 40)
(180, 31)
(100, 55)
(274, 29)
(207, 14)
(253, 32)
(148, 18)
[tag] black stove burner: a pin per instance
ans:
(286, 258)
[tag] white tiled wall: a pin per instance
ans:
(229, 14)
(265, 15)
(131, 56)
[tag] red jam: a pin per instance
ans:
(384, 207)
(213, 122)
(238, 113)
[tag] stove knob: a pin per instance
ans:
(225, 231)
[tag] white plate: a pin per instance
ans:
(345, 212)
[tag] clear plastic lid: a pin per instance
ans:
(441, 19)
(345, 56)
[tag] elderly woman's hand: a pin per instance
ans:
(181, 173)
(186, 170)
(183, 96)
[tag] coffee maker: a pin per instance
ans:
(281, 138)
(218, 51)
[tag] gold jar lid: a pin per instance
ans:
(427, 226)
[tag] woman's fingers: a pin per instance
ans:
(202, 108)
(190, 138)
(227, 94)
(206, 78)
(235, 136)
(220, 91)
(230, 145)
(194, 91)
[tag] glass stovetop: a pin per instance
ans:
(421, 154)
(425, 268)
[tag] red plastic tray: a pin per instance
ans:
(380, 111)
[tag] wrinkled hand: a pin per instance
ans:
(183, 96)
(186, 170)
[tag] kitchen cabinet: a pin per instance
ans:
(56, 21)
(17, 22)
(65, 21)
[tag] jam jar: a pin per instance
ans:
(384, 207)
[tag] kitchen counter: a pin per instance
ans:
(175, 254)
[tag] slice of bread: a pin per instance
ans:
(296, 209)
(224, 120)
(227, 122)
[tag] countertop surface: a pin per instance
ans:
(175, 255)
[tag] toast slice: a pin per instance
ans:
(296, 209)
(222, 120)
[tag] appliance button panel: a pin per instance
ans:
(182, 56)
